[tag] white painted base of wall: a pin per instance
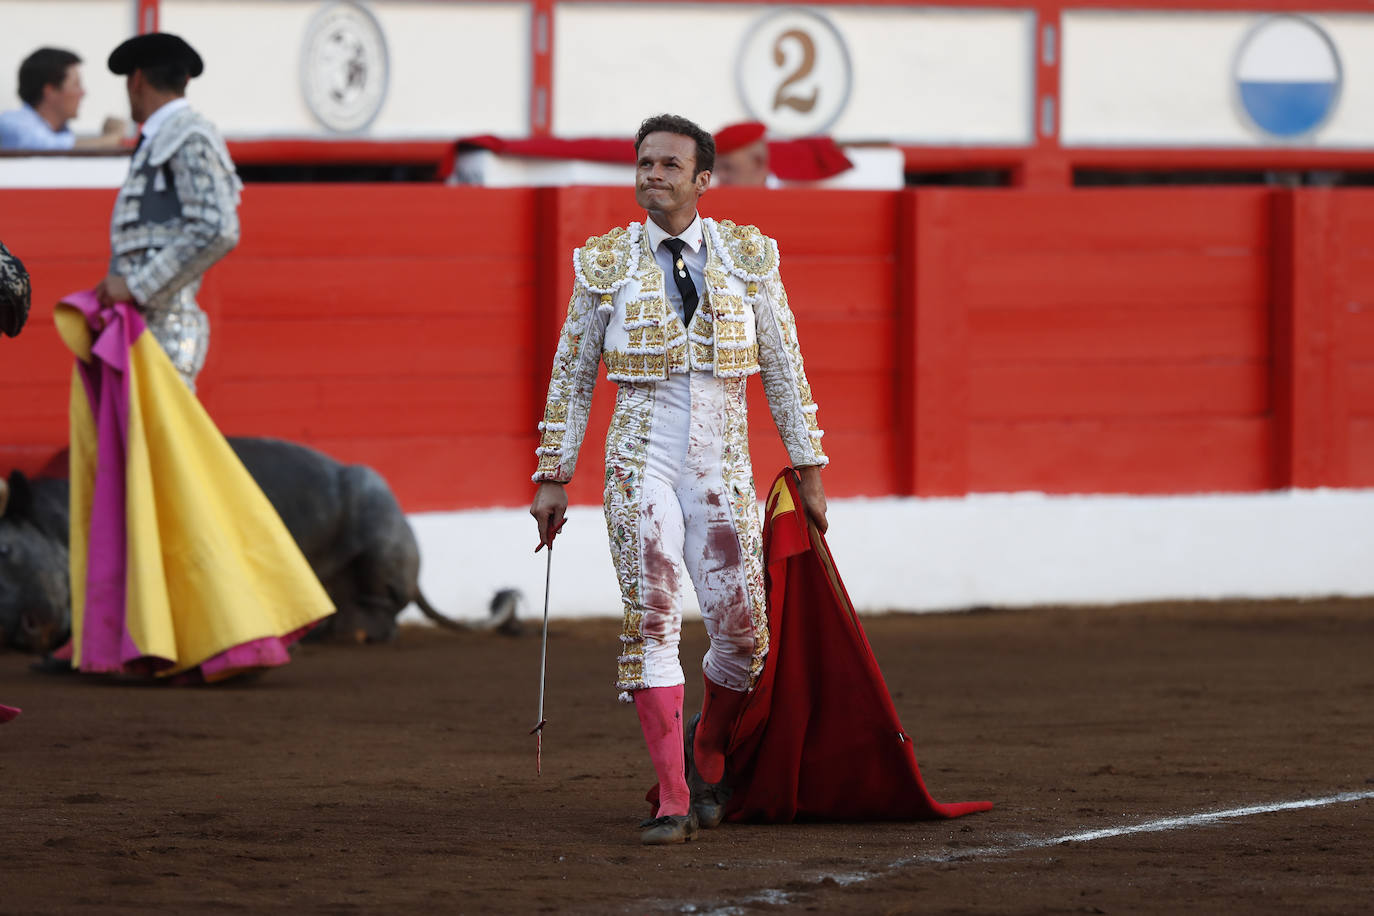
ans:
(1001, 550)
(97, 171)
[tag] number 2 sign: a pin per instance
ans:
(793, 72)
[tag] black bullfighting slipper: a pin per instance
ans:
(708, 798)
(668, 829)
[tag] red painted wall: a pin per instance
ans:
(1092, 341)
(1127, 341)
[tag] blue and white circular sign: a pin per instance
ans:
(1288, 76)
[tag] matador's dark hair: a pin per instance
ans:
(676, 124)
(169, 77)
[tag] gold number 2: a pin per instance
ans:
(784, 99)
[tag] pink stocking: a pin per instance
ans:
(660, 716)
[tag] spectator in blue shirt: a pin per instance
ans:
(51, 90)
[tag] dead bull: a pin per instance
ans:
(344, 518)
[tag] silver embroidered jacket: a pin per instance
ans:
(619, 314)
(176, 215)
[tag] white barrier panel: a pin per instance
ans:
(916, 75)
(1181, 79)
(875, 169)
(64, 172)
(387, 70)
(901, 74)
(1004, 550)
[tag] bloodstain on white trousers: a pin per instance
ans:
(680, 506)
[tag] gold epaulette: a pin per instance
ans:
(607, 261)
(749, 253)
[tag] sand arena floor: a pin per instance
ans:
(400, 778)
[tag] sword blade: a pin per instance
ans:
(543, 668)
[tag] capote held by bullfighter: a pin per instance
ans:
(344, 518)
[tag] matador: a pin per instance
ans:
(681, 310)
(176, 213)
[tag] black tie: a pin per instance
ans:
(685, 287)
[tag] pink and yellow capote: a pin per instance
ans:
(179, 564)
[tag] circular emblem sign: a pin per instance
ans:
(1288, 76)
(794, 73)
(344, 67)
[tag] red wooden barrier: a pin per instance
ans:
(1135, 341)
(1325, 324)
(1091, 341)
(1353, 335)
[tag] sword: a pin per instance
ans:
(538, 730)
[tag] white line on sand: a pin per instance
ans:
(1195, 820)
(774, 896)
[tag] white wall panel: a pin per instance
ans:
(920, 75)
(987, 549)
(617, 63)
(251, 84)
(454, 68)
(939, 76)
(457, 68)
(1166, 79)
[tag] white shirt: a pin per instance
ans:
(693, 255)
(159, 117)
(24, 128)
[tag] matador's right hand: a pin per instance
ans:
(549, 506)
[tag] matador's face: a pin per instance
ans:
(664, 182)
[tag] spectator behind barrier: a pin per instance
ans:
(745, 157)
(51, 91)
(742, 156)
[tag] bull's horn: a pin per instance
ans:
(4, 495)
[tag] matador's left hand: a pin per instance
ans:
(112, 289)
(813, 496)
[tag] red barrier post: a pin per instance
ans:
(1046, 166)
(932, 357)
(1309, 409)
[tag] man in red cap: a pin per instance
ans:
(742, 156)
